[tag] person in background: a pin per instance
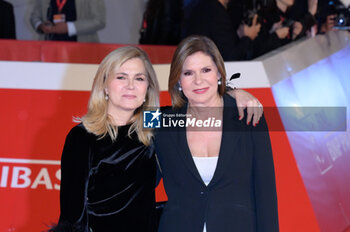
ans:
(68, 20)
(211, 18)
(161, 22)
(188, 6)
(7, 21)
(277, 29)
(220, 178)
(304, 12)
(327, 13)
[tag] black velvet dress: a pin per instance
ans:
(106, 186)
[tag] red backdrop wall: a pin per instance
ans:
(34, 124)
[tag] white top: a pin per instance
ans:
(206, 167)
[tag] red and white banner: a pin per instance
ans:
(39, 100)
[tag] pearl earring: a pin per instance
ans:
(180, 88)
(106, 97)
(219, 82)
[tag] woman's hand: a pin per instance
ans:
(247, 101)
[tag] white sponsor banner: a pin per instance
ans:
(64, 76)
(20, 173)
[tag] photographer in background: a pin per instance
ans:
(332, 15)
(304, 12)
(245, 20)
(161, 23)
(277, 29)
(211, 18)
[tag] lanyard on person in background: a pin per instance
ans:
(60, 5)
(59, 18)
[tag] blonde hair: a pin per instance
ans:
(187, 47)
(97, 120)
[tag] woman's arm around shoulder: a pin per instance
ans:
(246, 101)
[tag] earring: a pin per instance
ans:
(219, 82)
(106, 97)
(144, 100)
(180, 88)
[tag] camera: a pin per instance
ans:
(288, 23)
(342, 19)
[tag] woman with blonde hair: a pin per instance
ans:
(108, 168)
(108, 162)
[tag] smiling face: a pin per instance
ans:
(199, 80)
(127, 87)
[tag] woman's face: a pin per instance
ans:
(199, 80)
(127, 86)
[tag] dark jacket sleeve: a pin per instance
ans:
(266, 40)
(7, 21)
(74, 180)
(211, 19)
(159, 172)
(170, 23)
(231, 47)
(226, 39)
(264, 179)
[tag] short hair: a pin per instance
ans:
(97, 120)
(187, 47)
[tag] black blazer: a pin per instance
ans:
(242, 194)
(7, 21)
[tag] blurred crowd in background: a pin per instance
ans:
(242, 29)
